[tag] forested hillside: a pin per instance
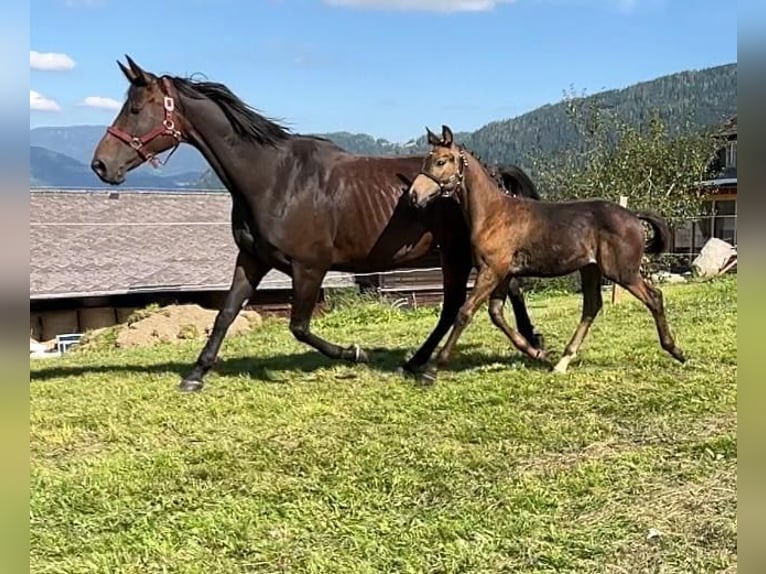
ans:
(704, 97)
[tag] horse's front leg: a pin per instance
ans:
(456, 267)
(486, 282)
(523, 322)
(307, 282)
(248, 273)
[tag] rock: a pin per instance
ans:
(713, 257)
(667, 277)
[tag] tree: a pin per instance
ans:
(658, 167)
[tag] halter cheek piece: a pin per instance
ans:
(167, 128)
(445, 191)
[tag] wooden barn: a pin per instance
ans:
(96, 256)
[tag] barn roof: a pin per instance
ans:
(88, 243)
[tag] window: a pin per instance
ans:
(731, 154)
(725, 220)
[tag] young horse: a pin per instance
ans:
(300, 204)
(514, 237)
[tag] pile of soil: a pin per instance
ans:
(174, 323)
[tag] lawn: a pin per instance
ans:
(287, 462)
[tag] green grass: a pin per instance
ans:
(290, 463)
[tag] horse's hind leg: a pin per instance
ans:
(496, 303)
(592, 302)
(523, 322)
(307, 283)
(248, 273)
(652, 297)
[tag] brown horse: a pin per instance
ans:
(300, 204)
(515, 237)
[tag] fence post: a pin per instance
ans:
(616, 289)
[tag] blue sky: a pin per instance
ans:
(384, 67)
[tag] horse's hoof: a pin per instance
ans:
(359, 355)
(538, 340)
(190, 386)
(406, 371)
(428, 377)
(678, 354)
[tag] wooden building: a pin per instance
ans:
(719, 217)
(96, 256)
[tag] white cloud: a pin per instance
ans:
(40, 103)
(50, 61)
(422, 5)
(101, 103)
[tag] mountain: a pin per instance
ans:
(52, 169)
(706, 96)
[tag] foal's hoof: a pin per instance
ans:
(357, 355)
(679, 356)
(407, 371)
(538, 341)
(190, 386)
(428, 377)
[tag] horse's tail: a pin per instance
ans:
(660, 237)
(517, 181)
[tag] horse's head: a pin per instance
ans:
(147, 125)
(442, 171)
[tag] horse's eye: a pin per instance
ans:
(441, 162)
(135, 109)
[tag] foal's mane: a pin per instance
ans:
(497, 172)
(246, 121)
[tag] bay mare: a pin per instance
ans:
(515, 237)
(300, 204)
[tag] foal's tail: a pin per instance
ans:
(660, 238)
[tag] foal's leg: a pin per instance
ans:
(652, 297)
(307, 283)
(248, 273)
(486, 281)
(456, 267)
(522, 343)
(592, 303)
(523, 322)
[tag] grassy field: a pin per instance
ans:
(289, 463)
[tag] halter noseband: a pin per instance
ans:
(443, 190)
(168, 127)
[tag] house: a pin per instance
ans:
(719, 218)
(96, 256)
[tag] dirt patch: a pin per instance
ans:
(169, 324)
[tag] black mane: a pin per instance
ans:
(245, 120)
(508, 177)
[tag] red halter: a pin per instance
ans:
(168, 127)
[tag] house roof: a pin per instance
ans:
(87, 243)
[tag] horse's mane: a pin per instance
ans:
(246, 121)
(509, 178)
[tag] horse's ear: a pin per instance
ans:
(447, 137)
(128, 73)
(433, 139)
(142, 78)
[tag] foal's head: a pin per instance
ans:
(147, 125)
(442, 171)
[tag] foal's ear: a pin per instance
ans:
(433, 139)
(447, 137)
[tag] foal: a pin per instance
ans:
(513, 236)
